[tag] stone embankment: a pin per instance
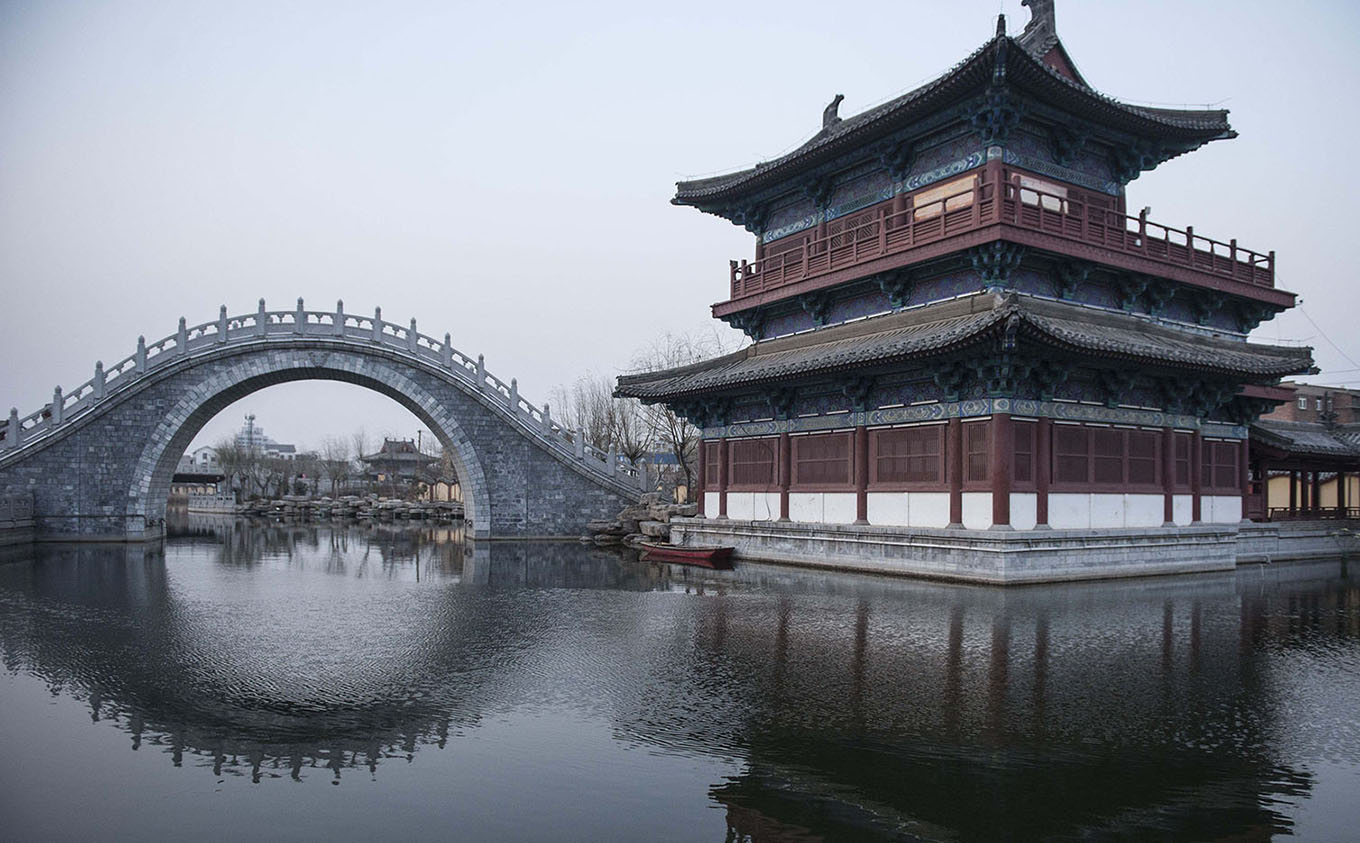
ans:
(647, 520)
(352, 506)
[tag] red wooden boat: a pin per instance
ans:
(704, 556)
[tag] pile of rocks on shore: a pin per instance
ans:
(351, 506)
(647, 520)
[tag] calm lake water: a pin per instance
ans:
(341, 683)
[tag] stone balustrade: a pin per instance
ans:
(21, 433)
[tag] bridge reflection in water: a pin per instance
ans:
(827, 706)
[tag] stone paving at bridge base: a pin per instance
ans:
(1014, 557)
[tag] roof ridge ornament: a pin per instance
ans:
(1042, 24)
(829, 116)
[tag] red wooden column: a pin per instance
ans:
(1003, 450)
(1196, 474)
(1315, 494)
(953, 447)
(861, 474)
(1293, 492)
(1168, 476)
(785, 473)
(1341, 493)
(699, 478)
(1043, 469)
(722, 478)
(1244, 474)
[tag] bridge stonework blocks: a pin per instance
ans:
(105, 471)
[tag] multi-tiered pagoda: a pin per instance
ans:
(958, 326)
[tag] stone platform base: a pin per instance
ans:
(1006, 557)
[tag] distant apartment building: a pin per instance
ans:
(1322, 404)
(252, 436)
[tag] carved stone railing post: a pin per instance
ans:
(642, 476)
(547, 419)
(58, 406)
(447, 353)
(580, 444)
(514, 396)
(99, 381)
(300, 318)
(412, 337)
(481, 373)
(222, 324)
(14, 437)
(613, 461)
(377, 324)
(182, 337)
(139, 362)
(339, 325)
(261, 320)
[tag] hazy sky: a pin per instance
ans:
(502, 171)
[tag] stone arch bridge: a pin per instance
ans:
(97, 461)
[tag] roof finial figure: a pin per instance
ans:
(1000, 25)
(829, 115)
(1041, 21)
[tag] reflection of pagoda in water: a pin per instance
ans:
(958, 324)
(856, 707)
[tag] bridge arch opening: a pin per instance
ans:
(245, 375)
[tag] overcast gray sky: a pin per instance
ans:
(502, 171)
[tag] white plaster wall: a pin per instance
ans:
(765, 506)
(1107, 510)
(1144, 510)
(710, 504)
(977, 510)
(805, 506)
(888, 508)
(928, 509)
(739, 505)
(1182, 508)
(1069, 511)
(1024, 510)
(1221, 509)
(838, 507)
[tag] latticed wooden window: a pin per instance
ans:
(1219, 466)
(1182, 460)
(752, 463)
(823, 459)
(847, 230)
(908, 455)
(1022, 470)
(1071, 454)
(1144, 457)
(1107, 450)
(712, 462)
(975, 452)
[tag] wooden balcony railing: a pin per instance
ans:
(883, 231)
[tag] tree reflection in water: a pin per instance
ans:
(856, 707)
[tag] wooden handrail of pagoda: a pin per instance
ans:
(888, 232)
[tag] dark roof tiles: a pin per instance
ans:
(948, 326)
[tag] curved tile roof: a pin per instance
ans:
(1002, 53)
(940, 329)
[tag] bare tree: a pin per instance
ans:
(335, 461)
(234, 460)
(588, 408)
(668, 429)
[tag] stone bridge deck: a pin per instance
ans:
(97, 459)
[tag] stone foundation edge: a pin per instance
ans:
(1002, 557)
